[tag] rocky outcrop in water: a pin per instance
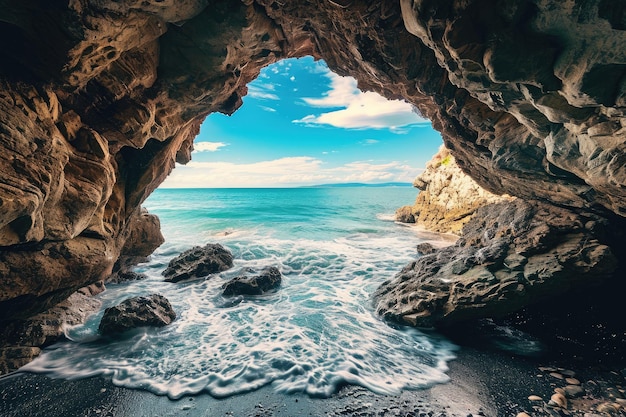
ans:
(448, 197)
(98, 100)
(153, 310)
(509, 255)
(198, 262)
(268, 279)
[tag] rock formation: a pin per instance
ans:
(98, 100)
(268, 279)
(510, 255)
(21, 340)
(448, 197)
(153, 310)
(198, 262)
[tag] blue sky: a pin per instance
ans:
(301, 124)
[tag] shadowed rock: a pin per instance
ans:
(510, 255)
(153, 310)
(268, 279)
(198, 262)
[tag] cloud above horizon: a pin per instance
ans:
(285, 172)
(208, 146)
(359, 110)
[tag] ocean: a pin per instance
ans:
(319, 331)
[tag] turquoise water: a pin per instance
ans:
(334, 247)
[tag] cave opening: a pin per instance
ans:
(303, 125)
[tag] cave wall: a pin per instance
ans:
(99, 99)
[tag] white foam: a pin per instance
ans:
(317, 332)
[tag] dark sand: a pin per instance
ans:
(483, 383)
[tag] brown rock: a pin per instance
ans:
(448, 197)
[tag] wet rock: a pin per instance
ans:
(22, 340)
(535, 398)
(509, 255)
(198, 262)
(153, 310)
(268, 279)
(425, 249)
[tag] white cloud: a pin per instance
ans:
(285, 172)
(208, 146)
(359, 110)
(269, 109)
(292, 78)
(370, 141)
(262, 91)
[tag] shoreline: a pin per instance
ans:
(482, 383)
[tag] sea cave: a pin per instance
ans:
(100, 100)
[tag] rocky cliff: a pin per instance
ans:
(448, 197)
(99, 99)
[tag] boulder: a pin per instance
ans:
(153, 310)
(198, 262)
(510, 255)
(268, 279)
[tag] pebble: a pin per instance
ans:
(556, 375)
(558, 400)
(606, 408)
(522, 414)
(568, 373)
(573, 391)
(547, 369)
(535, 398)
(572, 381)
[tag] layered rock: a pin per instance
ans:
(152, 311)
(510, 255)
(100, 99)
(448, 197)
(198, 262)
(22, 340)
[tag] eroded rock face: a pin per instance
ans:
(153, 310)
(510, 255)
(98, 100)
(448, 197)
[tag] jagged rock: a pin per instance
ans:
(425, 248)
(448, 197)
(21, 340)
(153, 310)
(509, 255)
(198, 262)
(268, 279)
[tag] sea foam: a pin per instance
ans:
(314, 334)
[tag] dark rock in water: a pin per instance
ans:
(153, 310)
(510, 255)
(198, 262)
(268, 279)
(125, 275)
(425, 249)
